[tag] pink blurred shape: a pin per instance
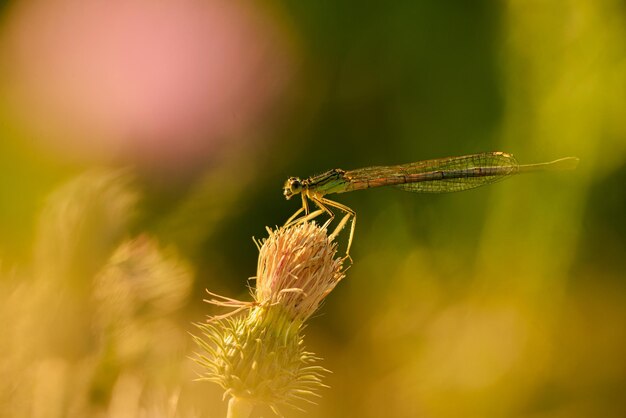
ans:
(165, 82)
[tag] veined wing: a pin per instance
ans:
(441, 175)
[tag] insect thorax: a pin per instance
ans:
(332, 181)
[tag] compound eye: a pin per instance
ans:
(292, 187)
(296, 186)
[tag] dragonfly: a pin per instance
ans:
(442, 175)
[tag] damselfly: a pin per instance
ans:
(441, 175)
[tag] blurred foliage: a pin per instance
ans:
(504, 301)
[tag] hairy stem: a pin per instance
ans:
(238, 408)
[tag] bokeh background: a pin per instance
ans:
(143, 144)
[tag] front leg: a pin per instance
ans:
(292, 221)
(292, 217)
(305, 203)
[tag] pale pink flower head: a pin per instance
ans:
(297, 268)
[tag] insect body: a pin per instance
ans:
(442, 175)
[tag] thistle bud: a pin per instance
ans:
(297, 269)
(260, 357)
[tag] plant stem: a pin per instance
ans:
(239, 408)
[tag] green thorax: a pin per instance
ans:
(332, 181)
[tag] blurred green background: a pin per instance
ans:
(128, 186)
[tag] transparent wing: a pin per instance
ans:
(440, 175)
(462, 173)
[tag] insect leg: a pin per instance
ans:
(305, 203)
(294, 216)
(319, 202)
(349, 214)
